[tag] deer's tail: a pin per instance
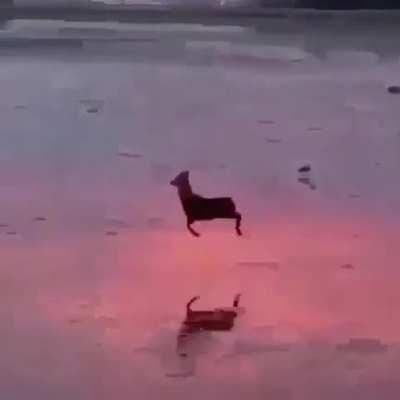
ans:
(192, 300)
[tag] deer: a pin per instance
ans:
(198, 208)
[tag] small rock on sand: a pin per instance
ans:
(393, 89)
(347, 266)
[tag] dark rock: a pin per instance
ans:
(305, 168)
(394, 89)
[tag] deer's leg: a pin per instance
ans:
(238, 218)
(236, 300)
(191, 230)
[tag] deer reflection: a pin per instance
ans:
(205, 321)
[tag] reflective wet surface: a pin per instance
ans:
(97, 264)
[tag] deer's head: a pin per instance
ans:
(181, 179)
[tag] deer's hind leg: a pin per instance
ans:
(238, 218)
(236, 300)
(189, 226)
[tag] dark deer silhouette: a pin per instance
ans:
(217, 320)
(198, 208)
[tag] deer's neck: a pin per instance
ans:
(185, 191)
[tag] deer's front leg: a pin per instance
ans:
(191, 230)
(238, 218)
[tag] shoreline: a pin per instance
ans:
(169, 14)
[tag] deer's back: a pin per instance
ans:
(201, 208)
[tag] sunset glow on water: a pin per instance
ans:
(97, 264)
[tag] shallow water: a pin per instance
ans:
(109, 267)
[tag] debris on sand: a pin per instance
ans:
(20, 107)
(3, 225)
(393, 89)
(305, 176)
(314, 129)
(274, 140)
(117, 222)
(40, 219)
(76, 321)
(92, 106)
(179, 374)
(354, 196)
(111, 233)
(266, 122)
(347, 266)
(128, 154)
(272, 265)
(10, 235)
(305, 168)
(92, 110)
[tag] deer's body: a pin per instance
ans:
(198, 208)
(204, 209)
